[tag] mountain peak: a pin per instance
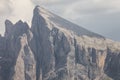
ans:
(8, 22)
(49, 17)
(36, 10)
(20, 22)
(8, 27)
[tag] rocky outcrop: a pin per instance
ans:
(112, 64)
(56, 49)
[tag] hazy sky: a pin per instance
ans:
(100, 16)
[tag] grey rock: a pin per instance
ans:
(56, 49)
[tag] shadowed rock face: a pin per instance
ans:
(56, 49)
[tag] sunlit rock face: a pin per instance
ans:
(56, 49)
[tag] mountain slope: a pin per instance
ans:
(58, 21)
(56, 49)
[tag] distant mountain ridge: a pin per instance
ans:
(56, 49)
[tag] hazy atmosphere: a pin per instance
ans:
(100, 16)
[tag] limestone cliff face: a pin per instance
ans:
(56, 49)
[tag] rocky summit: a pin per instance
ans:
(53, 48)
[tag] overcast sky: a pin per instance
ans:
(100, 16)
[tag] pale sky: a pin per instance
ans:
(100, 16)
